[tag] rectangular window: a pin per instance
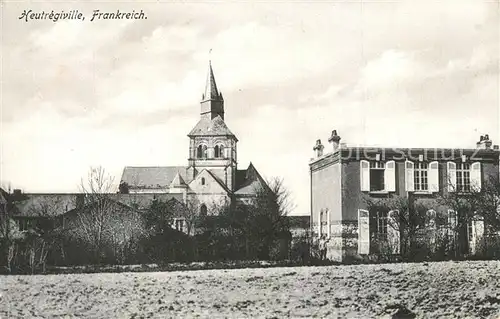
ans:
(381, 223)
(377, 170)
(469, 231)
(463, 177)
(420, 177)
(179, 224)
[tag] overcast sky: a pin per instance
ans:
(115, 93)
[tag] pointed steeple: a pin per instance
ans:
(211, 92)
(212, 103)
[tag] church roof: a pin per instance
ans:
(178, 181)
(152, 177)
(211, 91)
(249, 181)
(219, 181)
(211, 127)
(143, 201)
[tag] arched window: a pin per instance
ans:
(201, 151)
(219, 151)
(203, 181)
(203, 210)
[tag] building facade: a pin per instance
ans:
(344, 181)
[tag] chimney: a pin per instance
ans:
(334, 139)
(17, 195)
(484, 142)
(318, 148)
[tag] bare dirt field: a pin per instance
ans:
(439, 290)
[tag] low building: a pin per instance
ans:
(345, 179)
(51, 210)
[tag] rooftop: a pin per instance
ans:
(483, 150)
(152, 176)
(211, 127)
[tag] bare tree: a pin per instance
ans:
(471, 207)
(97, 212)
(462, 207)
(191, 213)
(47, 233)
(124, 232)
(487, 203)
(406, 218)
(267, 218)
(10, 230)
(273, 201)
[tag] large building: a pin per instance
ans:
(211, 175)
(343, 179)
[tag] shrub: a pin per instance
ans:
(301, 249)
(488, 247)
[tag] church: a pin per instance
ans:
(211, 176)
(210, 179)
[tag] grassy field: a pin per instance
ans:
(439, 290)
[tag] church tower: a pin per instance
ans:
(212, 145)
(212, 103)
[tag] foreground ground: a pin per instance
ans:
(446, 289)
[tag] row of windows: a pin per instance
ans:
(202, 151)
(380, 224)
(420, 176)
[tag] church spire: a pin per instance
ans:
(212, 103)
(211, 92)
